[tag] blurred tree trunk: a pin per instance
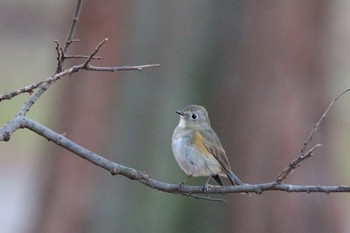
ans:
(270, 93)
(84, 118)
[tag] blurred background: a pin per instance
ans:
(265, 71)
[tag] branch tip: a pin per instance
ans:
(7, 136)
(114, 172)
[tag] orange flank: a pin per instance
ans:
(199, 141)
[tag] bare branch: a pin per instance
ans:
(59, 57)
(27, 105)
(315, 128)
(295, 164)
(48, 81)
(94, 52)
(73, 26)
(81, 57)
(30, 88)
(120, 68)
(60, 60)
(144, 178)
(304, 155)
(7, 130)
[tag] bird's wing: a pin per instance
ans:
(209, 143)
(213, 145)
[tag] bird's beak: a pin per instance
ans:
(180, 113)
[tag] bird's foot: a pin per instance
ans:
(205, 188)
(182, 182)
(179, 185)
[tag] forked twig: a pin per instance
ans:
(315, 128)
(295, 164)
(304, 155)
(94, 52)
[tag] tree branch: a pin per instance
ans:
(304, 155)
(81, 57)
(144, 178)
(73, 26)
(295, 164)
(44, 84)
(120, 68)
(30, 88)
(317, 125)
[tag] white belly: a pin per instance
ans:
(192, 161)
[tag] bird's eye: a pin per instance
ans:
(194, 116)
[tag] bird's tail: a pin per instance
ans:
(233, 178)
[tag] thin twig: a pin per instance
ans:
(120, 68)
(315, 128)
(43, 88)
(94, 52)
(59, 56)
(30, 88)
(73, 26)
(304, 155)
(60, 60)
(295, 164)
(81, 57)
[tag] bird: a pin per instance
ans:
(197, 148)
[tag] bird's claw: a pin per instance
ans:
(179, 185)
(205, 188)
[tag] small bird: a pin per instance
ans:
(197, 148)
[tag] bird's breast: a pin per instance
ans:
(192, 155)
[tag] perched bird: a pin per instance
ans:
(197, 148)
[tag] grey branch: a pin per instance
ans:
(73, 26)
(81, 57)
(295, 163)
(120, 68)
(44, 84)
(317, 125)
(94, 52)
(84, 66)
(30, 88)
(144, 178)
